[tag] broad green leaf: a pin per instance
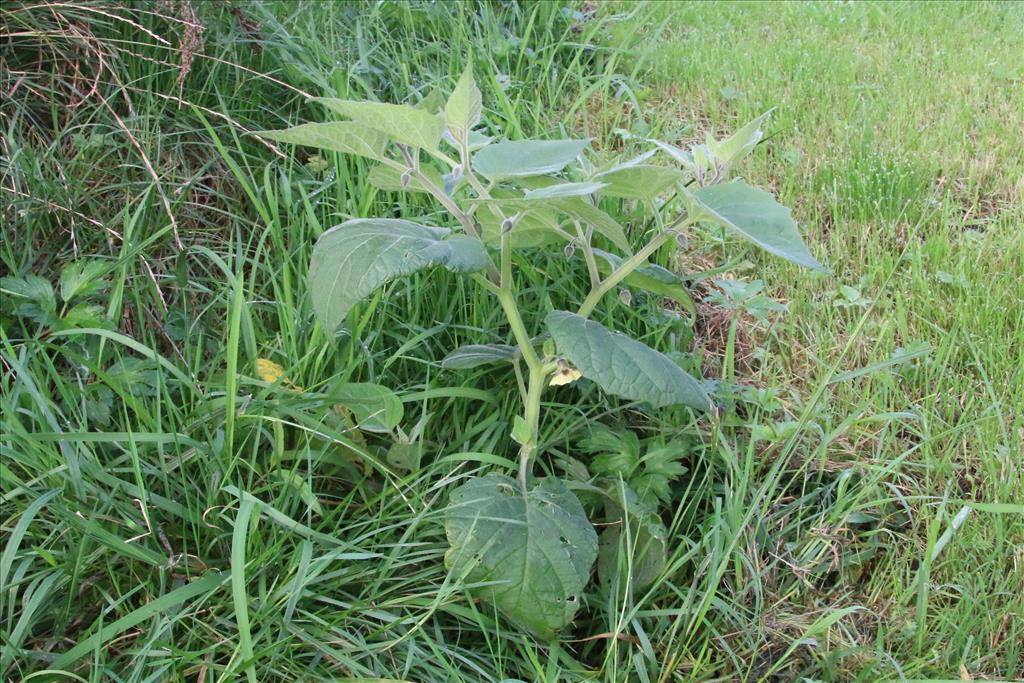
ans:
(731, 150)
(575, 207)
(389, 178)
(353, 259)
(644, 181)
(464, 106)
(652, 278)
(647, 540)
(31, 297)
(400, 122)
(527, 157)
(623, 366)
(754, 214)
(375, 407)
(337, 136)
(81, 278)
(475, 355)
(563, 190)
(535, 227)
(534, 551)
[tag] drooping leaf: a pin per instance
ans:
(629, 519)
(475, 355)
(464, 106)
(375, 407)
(399, 122)
(754, 214)
(526, 157)
(534, 551)
(623, 366)
(353, 259)
(389, 178)
(644, 181)
(563, 190)
(652, 278)
(337, 136)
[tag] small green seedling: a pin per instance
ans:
(528, 541)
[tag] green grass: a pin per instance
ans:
(167, 515)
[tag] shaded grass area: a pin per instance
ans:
(169, 515)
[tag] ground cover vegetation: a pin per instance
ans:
(270, 408)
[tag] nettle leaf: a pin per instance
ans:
(375, 407)
(535, 551)
(643, 181)
(563, 190)
(352, 259)
(754, 214)
(652, 278)
(400, 122)
(623, 366)
(337, 136)
(642, 551)
(389, 178)
(527, 157)
(464, 106)
(475, 355)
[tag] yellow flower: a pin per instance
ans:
(270, 372)
(565, 374)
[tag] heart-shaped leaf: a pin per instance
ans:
(400, 122)
(353, 259)
(532, 552)
(527, 157)
(375, 407)
(623, 366)
(337, 136)
(754, 214)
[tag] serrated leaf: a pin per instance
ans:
(563, 190)
(81, 278)
(650, 277)
(644, 181)
(647, 538)
(475, 355)
(754, 214)
(400, 122)
(337, 136)
(353, 259)
(464, 106)
(623, 366)
(32, 297)
(527, 157)
(534, 551)
(375, 407)
(389, 178)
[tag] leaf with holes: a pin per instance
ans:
(753, 214)
(353, 259)
(623, 366)
(400, 122)
(338, 136)
(530, 554)
(527, 157)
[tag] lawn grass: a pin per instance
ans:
(167, 515)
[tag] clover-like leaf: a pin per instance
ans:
(400, 122)
(474, 355)
(527, 157)
(530, 554)
(336, 136)
(754, 214)
(623, 366)
(353, 259)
